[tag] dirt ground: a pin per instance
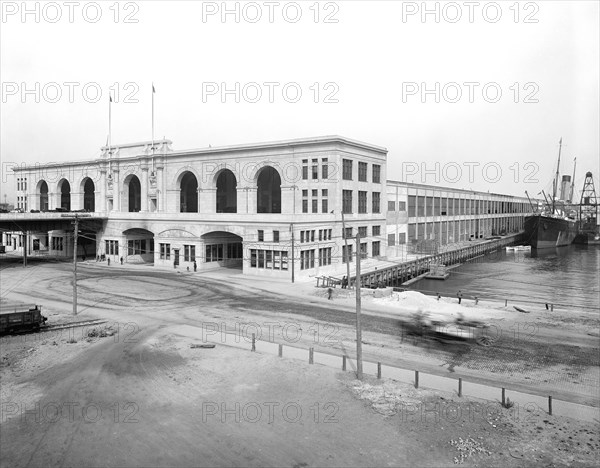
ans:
(153, 400)
(143, 397)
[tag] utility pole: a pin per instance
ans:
(25, 242)
(348, 256)
(75, 234)
(292, 229)
(359, 367)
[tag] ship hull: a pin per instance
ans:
(544, 232)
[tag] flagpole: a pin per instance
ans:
(110, 131)
(153, 127)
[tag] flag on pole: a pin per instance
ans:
(153, 92)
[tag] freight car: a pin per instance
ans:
(21, 319)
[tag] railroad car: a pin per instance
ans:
(21, 319)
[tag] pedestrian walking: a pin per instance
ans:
(438, 296)
(344, 282)
(121, 260)
(108, 260)
(459, 295)
(476, 300)
(195, 266)
(330, 293)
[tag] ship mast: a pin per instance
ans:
(556, 178)
(573, 181)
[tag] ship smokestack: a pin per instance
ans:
(565, 187)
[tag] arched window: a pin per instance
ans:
(134, 198)
(43, 196)
(268, 196)
(89, 202)
(65, 195)
(226, 192)
(188, 194)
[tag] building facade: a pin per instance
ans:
(253, 207)
(276, 209)
(425, 218)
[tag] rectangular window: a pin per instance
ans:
(305, 169)
(284, 260)
(315, 169)
(348, 233)
(261, 259)
(325, 256)
(376, 248)
(301, 236)
(214, 253)
(401, 206)
(362, 231)
(324, 206)
(346, 169)
(165, 251)
(376, 231)
(347, 254)
(315, 205)
(376, 202)
(363, 250)
(362, 202)
(275, 236)
(420, 206)
(402, 238)
(261, 235)
(320, 234)
(269, 259)
(307, 259)
(376, 173)
(312, 235)
(391, 206)
(362, 172)
(391, 240)
(252, 258)
(304, 201)
(324, 169)
(189, 253)
(347, 201)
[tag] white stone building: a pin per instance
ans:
(245, 206)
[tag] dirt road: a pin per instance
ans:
(143, 397)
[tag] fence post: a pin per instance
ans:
(379, 370)
(344, 362)
(253, 342)
(280, 350)
(416, 379)
(311, 355)
(505, 302)
(503, 397)
(550, 405)
(551, 307)
(460, 386)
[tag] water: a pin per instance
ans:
(566, 276)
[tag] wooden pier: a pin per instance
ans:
(396, 275)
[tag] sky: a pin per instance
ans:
(472, 95)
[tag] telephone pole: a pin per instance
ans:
(348, 256)
(75, 234)
(292, 229)
(359, 367)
